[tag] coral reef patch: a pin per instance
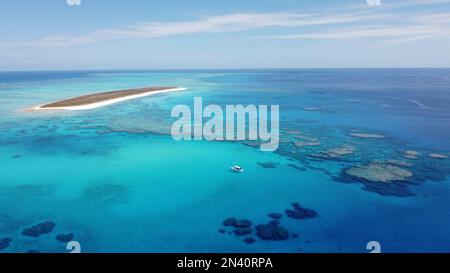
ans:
(268, 165)
(39, 229)
(272, 232)
(65, 238)
(376, 172)
(299, 212)
(4, 243)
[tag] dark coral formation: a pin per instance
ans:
(4, 243)
(367, 135)
(243, 231)
(244, 223)
(274, 222)
(65, 238)
(299, 212)
(272, 232)
(242, 226)
(268, 165)
(39, 229)
(275, 215)
(399, 189)
(229, 222)
(249, 240)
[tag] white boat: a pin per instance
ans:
(237, 169)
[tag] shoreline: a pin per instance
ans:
(95, 100)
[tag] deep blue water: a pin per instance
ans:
(115, 179)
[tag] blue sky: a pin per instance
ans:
(140, 34)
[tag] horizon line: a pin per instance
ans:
(218, 68)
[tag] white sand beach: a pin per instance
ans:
(99, 101)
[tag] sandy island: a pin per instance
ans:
(96, 100)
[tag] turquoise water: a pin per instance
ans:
(116, 179)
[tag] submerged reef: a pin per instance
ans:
(275, 215)
(366, 135)
(229, 222)
(268, 165)
(242, 227)
(293, 132)
(249, 240)
(376, 172)
(272, 232)
(381, 164)
(398, 163)
(243, 231)
(39, 229)
(301, 144)
(337, 153)
(438, 156)
(4, 243)
(65, 238)
(340, 151)
(411, 154)
(382, 178)
(244, 223)
(299, 212)
(307, 138)
(35, 232)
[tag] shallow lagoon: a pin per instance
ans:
(114, 178)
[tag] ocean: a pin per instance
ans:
(114, 179)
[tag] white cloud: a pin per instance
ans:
(214, 24)
(400, 27)
(411, 3)
(425, 31)
(345, 23)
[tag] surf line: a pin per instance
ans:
(249, 122)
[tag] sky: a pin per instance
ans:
(199, 34)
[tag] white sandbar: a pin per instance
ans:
(105, 102)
